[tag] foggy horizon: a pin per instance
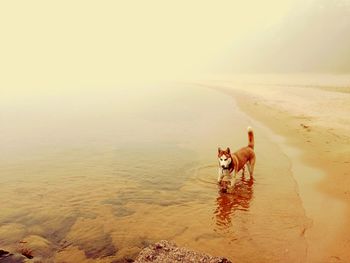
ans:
(313, 38)
(84, 43)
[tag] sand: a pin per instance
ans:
(314, 121)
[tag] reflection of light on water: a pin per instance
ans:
(228, 203)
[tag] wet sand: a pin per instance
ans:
(106, 173)
(314, 121)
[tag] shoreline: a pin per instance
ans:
(321, 172)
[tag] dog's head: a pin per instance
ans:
(224, 157)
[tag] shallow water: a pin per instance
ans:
(101, 173)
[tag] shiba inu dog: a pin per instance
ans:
(233, 163)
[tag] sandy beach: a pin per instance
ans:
(315, 124)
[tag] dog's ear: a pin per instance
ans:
(228, 150)
(219, 150)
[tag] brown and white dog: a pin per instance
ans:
(229, 163)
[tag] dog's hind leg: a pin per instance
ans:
(251, 165)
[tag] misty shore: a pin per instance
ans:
(315, 122)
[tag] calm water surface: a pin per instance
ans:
(95, 175)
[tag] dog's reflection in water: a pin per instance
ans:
(236, 198)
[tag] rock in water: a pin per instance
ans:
(7, 257)
(165, 251)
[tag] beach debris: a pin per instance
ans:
(305, 126)
(165, 251)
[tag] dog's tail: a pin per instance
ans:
(250, 137)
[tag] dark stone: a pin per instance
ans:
(165, 251)
(7, 257)
(3, 253)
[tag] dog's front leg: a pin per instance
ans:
(233, 178)
(221, 175)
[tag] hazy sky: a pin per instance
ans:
(67, 43)
(314, 37)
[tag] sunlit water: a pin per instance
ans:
(97, 175)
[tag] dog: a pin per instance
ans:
(229, 163)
